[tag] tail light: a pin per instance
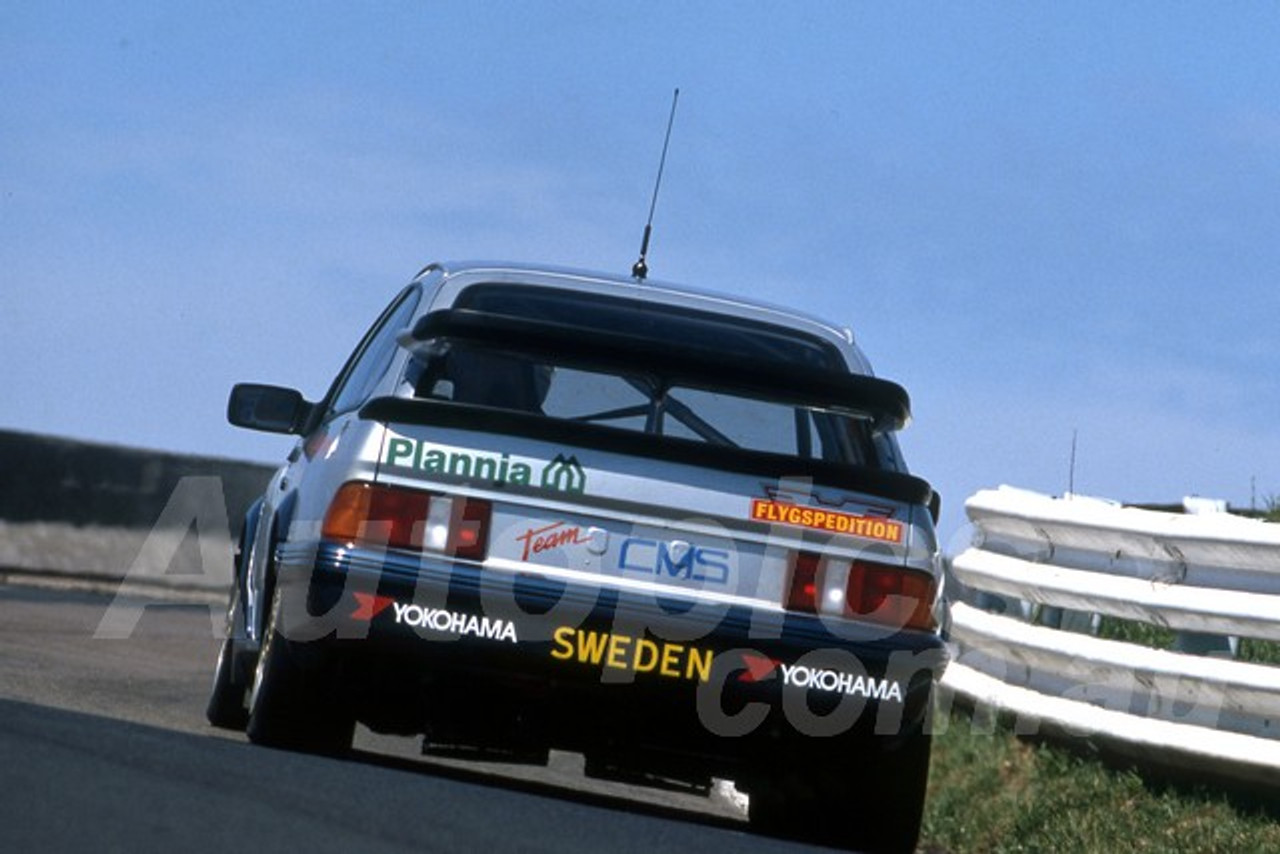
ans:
(891, 595)
(864, 590)
(408, 519)
(804, 582)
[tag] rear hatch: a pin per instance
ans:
(620, 443)
(603, 517)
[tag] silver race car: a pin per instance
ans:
(545, 509)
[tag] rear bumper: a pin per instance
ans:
(425, 644)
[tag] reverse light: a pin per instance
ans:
(864, 590)
(397, 518)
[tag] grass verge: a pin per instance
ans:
(995, 792)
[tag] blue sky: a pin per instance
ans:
(1043, 219)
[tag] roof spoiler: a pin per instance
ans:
(883, 402)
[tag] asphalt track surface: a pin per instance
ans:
(104, 747)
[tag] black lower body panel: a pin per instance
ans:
(521, 662)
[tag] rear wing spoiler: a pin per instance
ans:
(884, 403)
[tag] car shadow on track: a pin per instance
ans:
(485, 774)
(77, 781)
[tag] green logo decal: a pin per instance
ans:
(562, 474)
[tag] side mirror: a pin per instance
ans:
(935, 506)
(269, 408)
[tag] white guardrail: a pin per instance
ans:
(1029, 597)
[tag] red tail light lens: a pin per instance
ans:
(408, 519)
(804, 582)
(890, 595)
(469, 531)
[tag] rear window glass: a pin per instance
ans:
(635, 401)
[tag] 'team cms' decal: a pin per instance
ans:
(867, 527)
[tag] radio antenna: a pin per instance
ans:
(641, 269)
(1071, 474)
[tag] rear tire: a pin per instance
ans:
(227, 700)
(894, 803)
(292, 706)
(227, 709)
(867, 806)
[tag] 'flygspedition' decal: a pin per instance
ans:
(561, 474)
(868, 527)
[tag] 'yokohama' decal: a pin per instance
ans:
(440, 620)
